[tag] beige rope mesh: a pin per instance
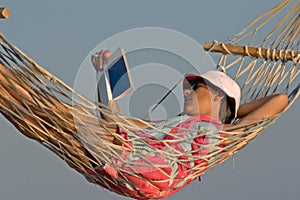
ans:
(40, 107)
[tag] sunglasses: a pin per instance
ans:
(194, 84)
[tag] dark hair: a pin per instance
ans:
(227, 110)
(227, 104)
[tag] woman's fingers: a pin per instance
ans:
(106, 55)
(95, 62)
(100, 58)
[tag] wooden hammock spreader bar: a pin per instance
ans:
(4, 13)
(269, 54)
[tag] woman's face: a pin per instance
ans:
(197, 98)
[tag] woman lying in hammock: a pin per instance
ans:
(211, 102)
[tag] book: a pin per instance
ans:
(115, 81)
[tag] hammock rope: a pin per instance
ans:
(45, 109)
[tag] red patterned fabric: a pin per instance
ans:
(140, 177)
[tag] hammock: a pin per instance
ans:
(43, 108)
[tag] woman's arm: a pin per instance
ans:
(98, 60)
(262, 108)
(257, 110)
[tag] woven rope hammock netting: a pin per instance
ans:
(263, 58)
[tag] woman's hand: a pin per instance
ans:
(99, 59)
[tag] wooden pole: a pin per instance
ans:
(270, 54)
(4, 13)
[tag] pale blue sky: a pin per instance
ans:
(58, 34)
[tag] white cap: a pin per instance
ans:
(224, 82)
